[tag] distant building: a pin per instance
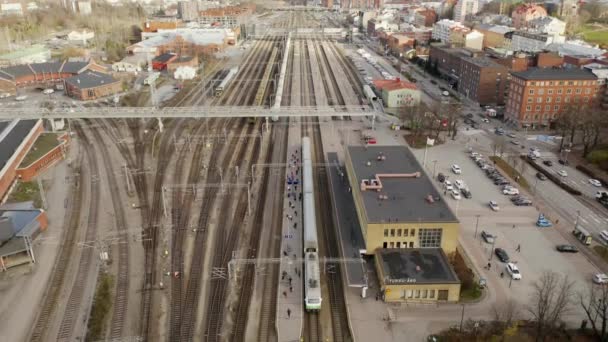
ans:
(548, 60)
(533, 42)
(549, 25)
(525, 13)
(183, 41)
(91, 85)
(443, 28)
(464, 9)
(398, 93)
(84, 7)
(576, 48)
(182, 61)
(448, 60)
(11, 8)
(601, 71)
(474, 40)
(37, 53)
(20, 224)
(569, 9)
(458, 35)
(187, 10)
(483, 80)
(538, 96)
(425, 18)
(495, 36)
(162, 61)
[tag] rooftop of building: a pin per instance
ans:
(90, 79)
(23, 52)
(16, 71)
(23, 223)
(415, 266)
(165, 57)
(530, 9)
(483, 62)
(12, 136)
(407, 198)
(461, 51)
(500, 29)
(555, 74)
(183, 59)
(43, 145)
(394, 84)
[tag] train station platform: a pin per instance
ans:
(347, 223)
(290, 293)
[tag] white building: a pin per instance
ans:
(464, 8)
(84, 7)
(548, 25)
(11, 9)
(576, 48)
(442, 29)
(474, 40)
(533, 42)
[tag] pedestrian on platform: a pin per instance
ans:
(284, 293)
(290, 288)
(295, 212)
(518, 248)
(295, 225)
(513, 227)
(284, 253)
(289, 281)
(288, 313)
(288, 188)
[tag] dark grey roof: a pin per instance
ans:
(3, 125)
(16, 71)
(182, 59)
(90, 79)
(407, 197)
(73, 67)
(41, 68)
(399, 266)
(164, 58)
(14, 138)
(555, 74)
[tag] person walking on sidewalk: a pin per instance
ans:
(288, 313)
(518, 248)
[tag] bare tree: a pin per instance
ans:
(595, 305)
(566, 124)
(551, 299)
(506, 313)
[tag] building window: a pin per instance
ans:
(398, 244)
(409, 293)
(532, 83)
(425, 293)
(576, 100)
(539, 100)
(568, 91)
(587, 91)
(392, 232)
(531, 91)
(578, 90)
(547, 107)
(384, 244)
(412, 232)
(548, 100)
(399, 232)
(411, 244)
(559, 91)
(537, 108)
(431, 293)
(550, 91)
(406, 232)
(561, 82)
(558, 99)
(570, 82)
(567, 99)
(391, 244)
(386, 233)
(535, 116)
(529, 100)
(429, 238)
(586, 98)
(550, 83)
(528, 108)
(417, 294)
(556, 107)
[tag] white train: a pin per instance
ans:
(224, 84)
(312, 275)
(369, 93)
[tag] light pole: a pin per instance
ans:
(476, 225)
(434, 166)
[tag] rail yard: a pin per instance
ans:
(162, 208)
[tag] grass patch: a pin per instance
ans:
(24, 192)
(419, 141)
(510, 171)
(598, 37)
(42, 146)
(102, 303)
(601, 251)
(470, 294)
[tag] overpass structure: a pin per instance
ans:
(185, 112)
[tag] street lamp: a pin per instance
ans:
(476, 225)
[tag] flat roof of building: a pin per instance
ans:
(483, 62)
(11, 139)
(401, 266)
(407, 198)
(90, 79)
(555, 74)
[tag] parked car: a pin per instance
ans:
(501, 181)
(487, 237)
(456, 169)
(459, 184)
(523, 203)
(515, 142)
(566, 249)
(510, 191)
(511, 135)
(455, 194)
(21, 98)
(595, 182)
(486, 120)
(501, 254)
(48, 91)
(474, 154)
(513, 271)
(541, 176)
(494, 206)
(441, 177)
(499, 131)
(448, 185)
(548, 162)
(563, 162)
(562, 173)
(466, 193)
(600, 278)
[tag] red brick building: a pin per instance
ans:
(426, 18)
(160, 62)
(91, 85)
(549, 60)
(483, 80)
(41, 160)
(538, 96)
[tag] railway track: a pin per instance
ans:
(66, 252)
(75, 298)
(121, 291)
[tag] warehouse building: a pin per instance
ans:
(397, 205)
(20, 224)
(417, 275)
(91, 85)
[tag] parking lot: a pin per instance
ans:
(513, 226)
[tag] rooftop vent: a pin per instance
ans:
(381, 157)
(368, 163)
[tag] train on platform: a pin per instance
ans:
(312, 274)
(369, 93)
(219, 90)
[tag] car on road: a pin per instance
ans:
(474, 154)
(600, 278)
(456, 169)
(501, 254)
(448, 185)
(459, 184)
(501, 181)
(562, 173)
(566, 249)
(523, 202)
(486, 120)
(563, 162)
(455, 194)
(441, 177)
(513, 271)
(21, 98)
(48, 91)
(494, 206)
(499, 131)
(541, 176)
(466, 193)
(548, 162)
(595, 182)
(511, 135)
(509, 190)
(487, 237)
(515, 142)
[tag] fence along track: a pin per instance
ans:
(74, 304)
(66, 251)
(121, 292)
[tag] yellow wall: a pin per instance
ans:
(415, 292)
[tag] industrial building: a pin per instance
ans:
(396, 203)
(20, 223)
(91, 85)
(416, 275)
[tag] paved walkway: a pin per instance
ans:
(289, 326)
